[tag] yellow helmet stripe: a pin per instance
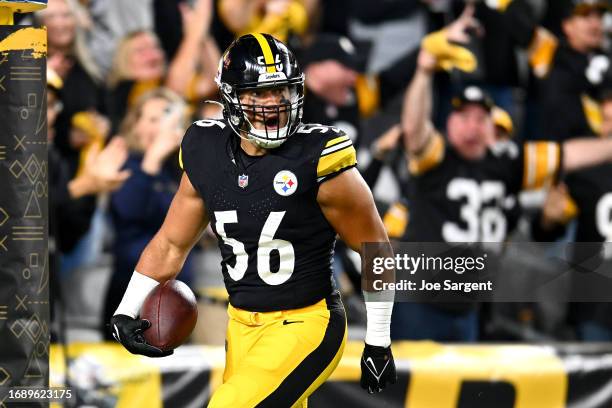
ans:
(267, 52)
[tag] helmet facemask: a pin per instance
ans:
(267, 114)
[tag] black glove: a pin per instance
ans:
(128, 331)
(377, 368)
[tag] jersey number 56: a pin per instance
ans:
(267, 244)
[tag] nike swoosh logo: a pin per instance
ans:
(373, 369)
(286, 322)
(116, 333)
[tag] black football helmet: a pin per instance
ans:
(258, 62)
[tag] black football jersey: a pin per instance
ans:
(456, 200)
(591, 190)
(276, 245)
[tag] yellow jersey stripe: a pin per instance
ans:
(430, 157)
(266, 50)
(541, 164)
(181, 158)
(554, 162)
(336, 140)
(592, 112)
(336, 147)
(336, 161)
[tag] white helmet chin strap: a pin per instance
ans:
(259, 137)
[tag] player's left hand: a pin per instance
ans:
(377, 368)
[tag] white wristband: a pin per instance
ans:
(137, 291)
(378, 329)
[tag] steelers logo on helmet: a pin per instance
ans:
(285, 183)
(262, 89)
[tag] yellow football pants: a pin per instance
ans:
(277, 359)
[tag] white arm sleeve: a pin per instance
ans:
(378, 329)
(137, 291)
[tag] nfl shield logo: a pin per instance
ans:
(243, 180)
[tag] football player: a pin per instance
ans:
(276, 193)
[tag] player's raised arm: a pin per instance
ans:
(348, 205)
(161, 260)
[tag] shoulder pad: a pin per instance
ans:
(199, 134)
(210, 123)
(335, 152)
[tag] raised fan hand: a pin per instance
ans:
(104, 167)
(444, 49)
(196, 20)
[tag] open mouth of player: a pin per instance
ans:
(272, 122)
(269, 118)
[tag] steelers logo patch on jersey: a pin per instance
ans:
(285, 183)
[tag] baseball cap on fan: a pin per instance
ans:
(472, 95)
(584, 7)
(328, 46)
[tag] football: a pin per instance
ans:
(172, 310)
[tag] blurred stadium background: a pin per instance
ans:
(545, 63)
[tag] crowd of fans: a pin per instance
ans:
(126, 77)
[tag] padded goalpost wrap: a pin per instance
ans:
(24, 273)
